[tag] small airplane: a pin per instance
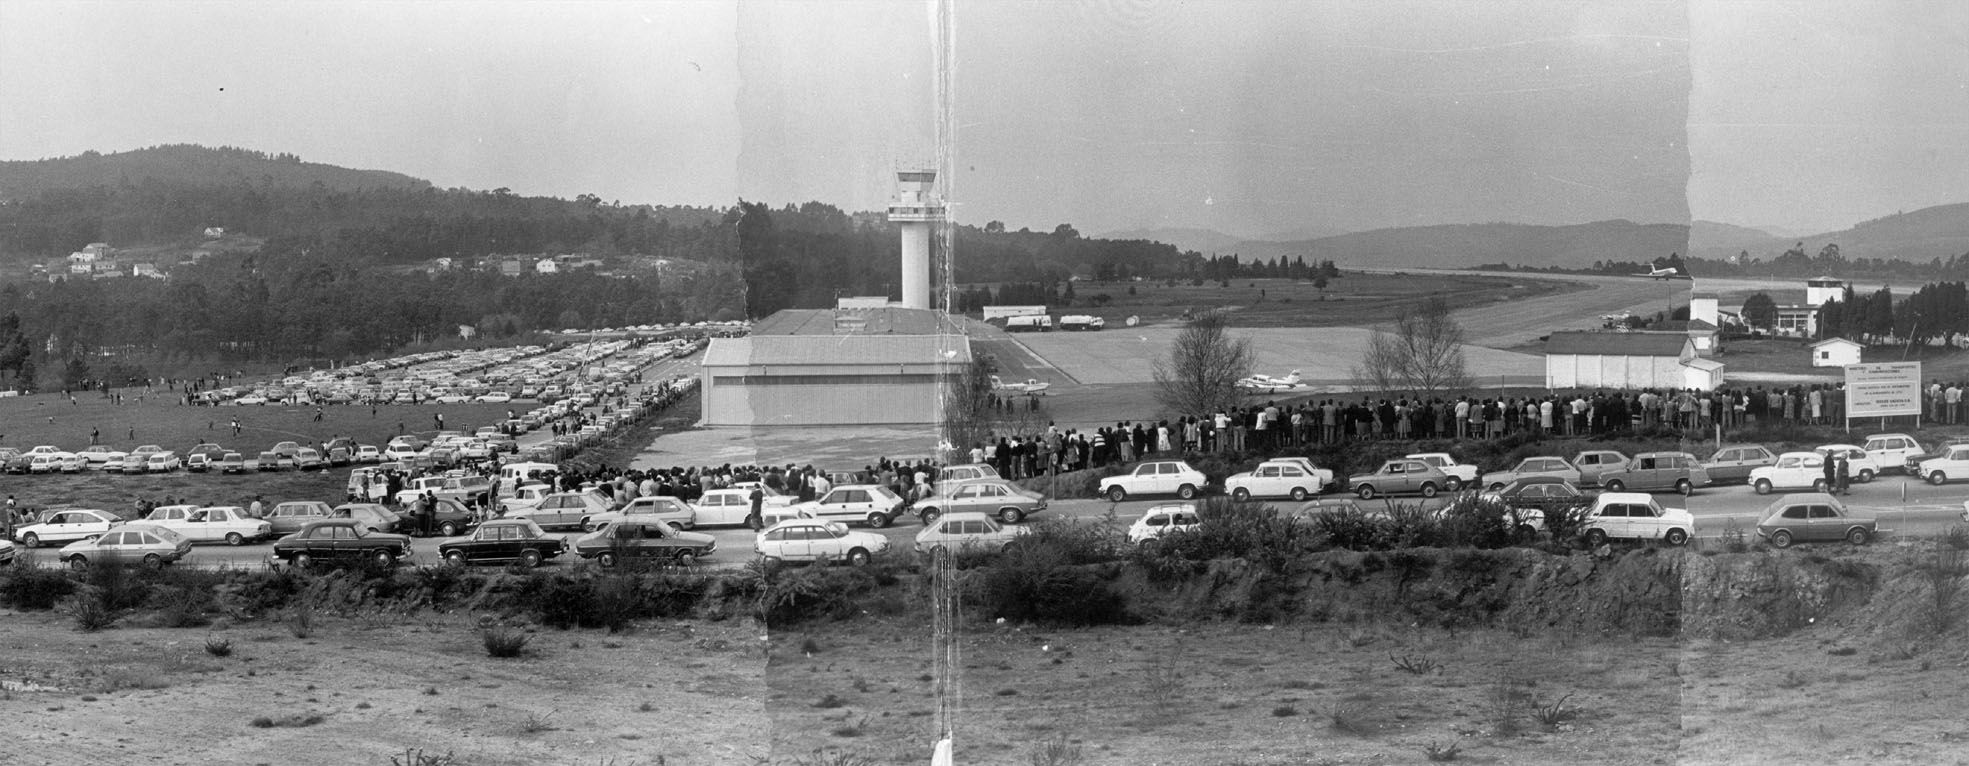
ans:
(1032, 386)
(1267, 384)
(1664, 272)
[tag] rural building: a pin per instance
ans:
(1835, 352)
(826, 367)
(1577, 359)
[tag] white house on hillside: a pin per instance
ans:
(1835, 352)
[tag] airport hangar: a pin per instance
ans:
(826, 367)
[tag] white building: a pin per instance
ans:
(819, 367)
(1835, 352)
(1666, 360)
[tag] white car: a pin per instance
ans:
(496, 397)
(817, 540)
(44, 464)
(250, 399)
(368, 453)
(967, 531)
(1952, 463)
(1160, 520)
(143, 544)
(527, 496)
(1278, 478)
(1156, 477)
(1860, 467)
(730, 507)
(564, 509)
(872, 504)
(1556, 467)
(678, 513)
(1460, 474)
(66, 525)
(1892, 451)
(162, 462)
(1793, 471)
(1636, 516)
(223, 523)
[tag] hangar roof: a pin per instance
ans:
(872, 321)
(1617, 343)
(838, 350)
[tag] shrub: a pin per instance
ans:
(1036, 581)
(1351, 528)
(417, 757)
(504, 642)
(218, 647)
(300, 620)
(1477, 521)
(90, 611)
(1229, 529)
(29, 587)
(1056, 750)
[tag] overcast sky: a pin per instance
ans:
(1251, 118)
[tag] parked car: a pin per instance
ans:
(339, 541)
(368, 453)
(232, 463)
(224, 523)
(563, 509)
(44, 463)
(8, 550)
(1813, 517)
(643, 539)
(1156, 477)
(1636, 516)
(309, 459)
(1860, 467)
(1277, 478)
(134, 462)
(1733, 463)
(1160, 520)
(99, 455)
(1951, 463)
(670, 510)
(967, 531)
(286, 449)
(1534, 467)
(1794, 470)
(1460, 474)
(817, 540)
(291, 516)
(162, 462)
(1593, 463)
(1401, 475)
(731, 506)
(66, 525)
(131, 544)
(966, 472)
(1009, 502)
(374, 517)
(500, 540)
(467, 488)
(1655, 471)
(268, 461)
(526, 496)
(872, 504)
(1538, 495)
(1891, 452)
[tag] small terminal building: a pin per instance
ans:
(828, 367)
(1662, 360)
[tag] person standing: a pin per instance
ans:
(756, 519)
(257, 509)
(1831, 474)
(1845, 476)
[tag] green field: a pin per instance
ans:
(29, 421)
(1355, 299)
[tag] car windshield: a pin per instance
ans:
(835, 529)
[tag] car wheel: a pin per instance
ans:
(1428, 489)
(1010, 515)
(929, 515)
(1938, 478)
(448, 529)
(235, 539)
(31, 540)
(1495, 486)
(606, 559)
(1685, 487)
(1857, 536)
(1117, 494)
(878, 520)
(1819, 485)
(1240, 494)
(530, 558)
(1186, 492)
(1676, 536)
(1299, 494)
(1454, 484)
(1763, 487)
(78, 562)
(1596, 537)
(384, 559)
(587, 525)
(303, 561)
(686, 558)
(1781, 539)
(1366, 491)
(455, 558)
(153, 561)
(858, 557)
(1527, 531)
(1616, 485)
(1866, 477)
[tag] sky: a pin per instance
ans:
(1253, 118)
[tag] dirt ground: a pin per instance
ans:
(665, 694)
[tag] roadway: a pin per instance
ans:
(1905, 509)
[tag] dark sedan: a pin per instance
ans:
(1813, 517)
(643, 539)
(339, 541)
(502, 540)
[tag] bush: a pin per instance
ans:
(1351, 528)
(34, 588)
(1036, 580)
(790, 596)
(218, 647)
(90, 610)
(504, 642)
(1229, 529)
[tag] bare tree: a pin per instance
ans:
(1204, 366)
(1422, 354)
(975, 413)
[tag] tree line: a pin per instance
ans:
(1937, 310)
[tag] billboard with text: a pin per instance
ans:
(1883, 390)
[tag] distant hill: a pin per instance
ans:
(1919, 236)
(1710, 236)
(191, 165)
(1302, 233)
(1204, 241)
(1465, 245)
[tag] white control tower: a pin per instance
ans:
(915, 210)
